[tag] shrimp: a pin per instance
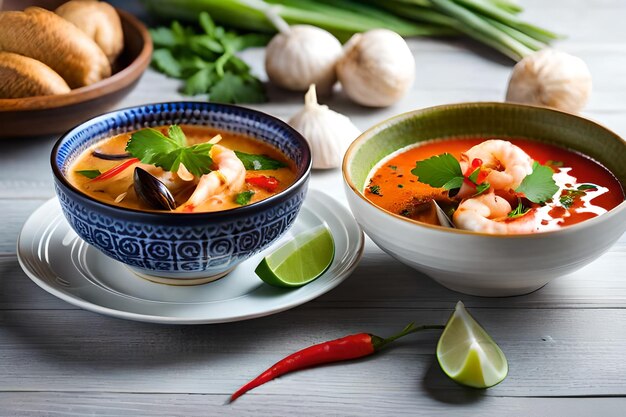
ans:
(229, 177)
(506, 164)
(487, 213)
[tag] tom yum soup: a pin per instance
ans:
(493, 186)
(185, 169)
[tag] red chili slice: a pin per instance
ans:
(116, 170)
(267, 183)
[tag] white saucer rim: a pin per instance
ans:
(96, 308)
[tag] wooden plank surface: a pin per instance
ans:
(566, 343)
(551, 352)
(79, 404)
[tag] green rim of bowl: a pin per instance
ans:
(483, 120)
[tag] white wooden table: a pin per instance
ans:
(566, 344)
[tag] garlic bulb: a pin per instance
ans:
(329, 133)
(377, 68)
(302, 55)
(551, 78)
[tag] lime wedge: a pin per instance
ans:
(467, 354)
(300, 260)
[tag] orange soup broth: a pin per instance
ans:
(399, 188)
(107, 191)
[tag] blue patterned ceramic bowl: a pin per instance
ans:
(181, 248)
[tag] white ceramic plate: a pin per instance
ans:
(57, 260)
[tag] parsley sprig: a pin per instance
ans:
(168, 152)
(444, 171)
(518, 211)
(207, 61)
(243, 198)
(538, 186)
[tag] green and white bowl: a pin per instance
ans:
(476, 263)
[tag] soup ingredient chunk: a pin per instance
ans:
(489, 213)
(551, 78)
(499, 162)
(467, 354)
(227, 178)
(329, 133)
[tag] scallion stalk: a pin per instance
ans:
(491, 22)
(490, 10)
(476, 27)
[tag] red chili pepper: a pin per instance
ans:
(267, 183)
(345, 348)
(116, 170)
(476, 162)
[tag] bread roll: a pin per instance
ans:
(21, 76)
(46, 37)
(99, 21)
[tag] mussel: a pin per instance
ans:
(152, 191)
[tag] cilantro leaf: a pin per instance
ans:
(258, 162)
(89, 173)
(481, 188)
(587, 187)
(206, 60)
(199, 83)
(244, 198)
(518, 211)
(235, 89)
(539, 186)
(163, 37)
(453, 184)
(375, 189)
(176, 133)
(473, 177)
(568, 197)
(153, 147)
(164, 61)
(196, 163)
(207, 24)
(439, 171)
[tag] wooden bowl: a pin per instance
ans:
(46, 115)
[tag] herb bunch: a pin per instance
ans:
(207, 61)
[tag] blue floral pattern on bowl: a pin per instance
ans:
(177, 245)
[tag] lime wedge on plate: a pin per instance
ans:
(300, 260)
(467, 354)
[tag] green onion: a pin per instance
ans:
(492, 22)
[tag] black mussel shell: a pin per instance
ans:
(152, 191)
